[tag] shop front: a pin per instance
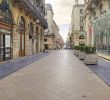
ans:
(5, 45)
(6, 26)
(102, 34)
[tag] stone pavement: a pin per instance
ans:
(102, 70)
(16, 64)
(59, 76)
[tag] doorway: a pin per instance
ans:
(22, 37)
(5, 47)
(22, 44)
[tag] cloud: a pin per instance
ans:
(62, 12)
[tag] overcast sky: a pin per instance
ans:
(62, 14)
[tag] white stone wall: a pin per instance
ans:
(49, 17)
(75, 17)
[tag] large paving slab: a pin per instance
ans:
(14, 65)
(102, 70)
(59, 76)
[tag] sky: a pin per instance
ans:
(62, 14)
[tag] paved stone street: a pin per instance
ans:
(59, 76)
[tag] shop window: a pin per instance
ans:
(21, 36)
(81, 11)
(37, 29)
(45, 13)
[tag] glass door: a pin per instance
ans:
(5, 47)
(1, 47)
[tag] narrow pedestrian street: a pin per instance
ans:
(58, 76)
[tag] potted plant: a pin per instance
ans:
(76, 50)
(82, 52)
(90, 55)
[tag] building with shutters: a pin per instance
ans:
(22, 25)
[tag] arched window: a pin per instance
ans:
(37, 30)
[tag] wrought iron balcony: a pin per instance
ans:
(91, 4)
(34, 9)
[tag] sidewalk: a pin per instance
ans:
(102, 70)
(14, 65)
(59, 76)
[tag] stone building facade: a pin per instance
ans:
(76, 26)
(22, 25)
(51, 35)
(97, 24)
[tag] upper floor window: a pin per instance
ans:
(22, 23)
(6, 17)
(45, 13)
(31, 29)
(45, 40)
(81, 11)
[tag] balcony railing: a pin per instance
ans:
(91, 4)
(35, 9)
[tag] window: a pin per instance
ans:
(31, 29)
(101, 9)
(22, 23)
(7, 18)
(81, 28)
(81, 19)
(45, 13)
(81, 11)
(45, 40)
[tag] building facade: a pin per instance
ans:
(22, 25)
(77, 26)
(51, 35)
(97, 24)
